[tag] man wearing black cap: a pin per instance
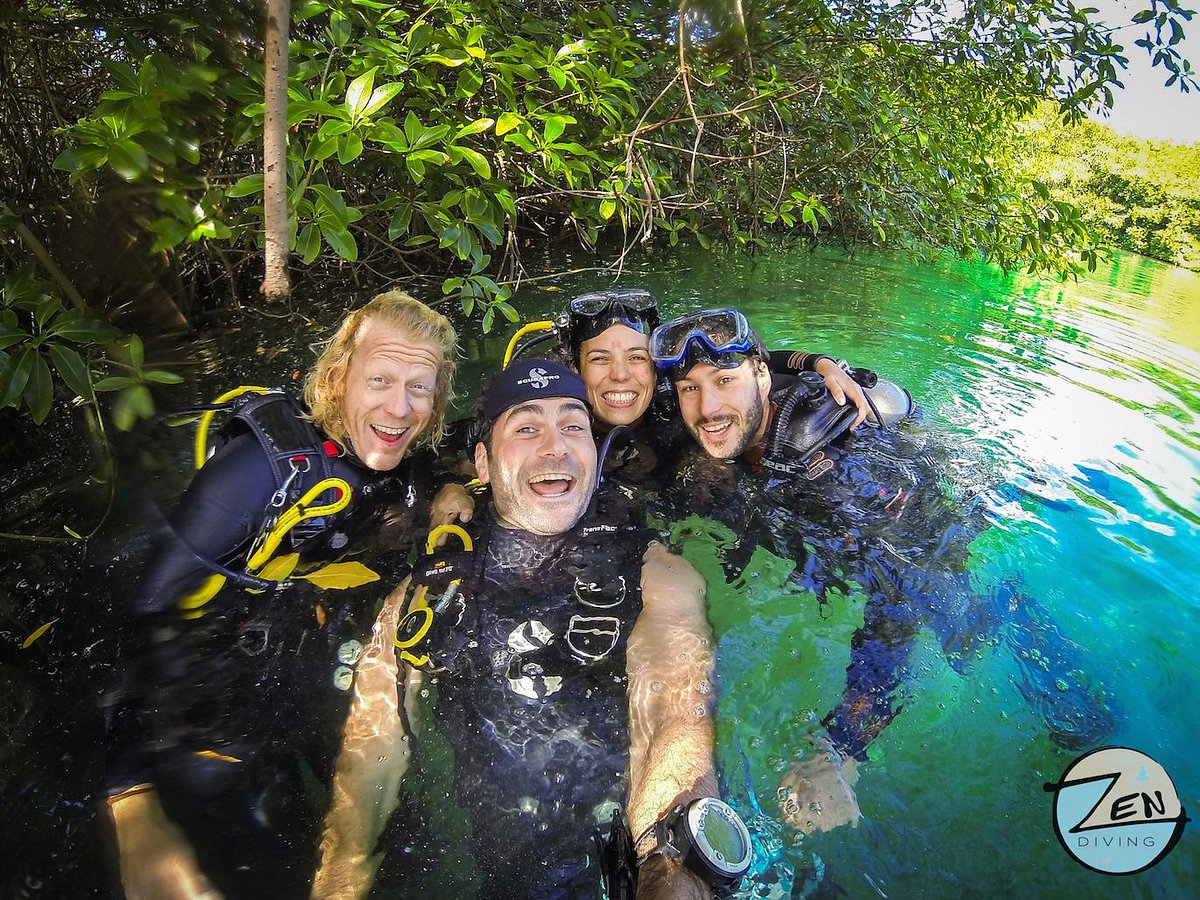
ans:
(559, 674)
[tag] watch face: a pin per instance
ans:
(720, 836)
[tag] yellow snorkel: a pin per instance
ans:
(207, 417)
(552, 328)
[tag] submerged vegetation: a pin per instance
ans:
(440, 138)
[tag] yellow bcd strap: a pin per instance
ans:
(207, 417)
(297, 513)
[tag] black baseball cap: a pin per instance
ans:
(525, 380)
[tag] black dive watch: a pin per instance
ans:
(707, 836)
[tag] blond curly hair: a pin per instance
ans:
(326, 382)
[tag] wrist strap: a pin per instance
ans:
(130, 792)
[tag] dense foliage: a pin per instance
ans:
(1133, 194)
(440, 137)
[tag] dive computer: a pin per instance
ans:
(707, 836)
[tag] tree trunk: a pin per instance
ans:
(276, 283)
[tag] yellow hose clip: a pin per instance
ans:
(207, 417)
(417, 621)
(521, 332)
(456, 530)
(297, 513)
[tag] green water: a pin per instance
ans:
(1073, 410)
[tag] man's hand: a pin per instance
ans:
(666, 878)
(452, 505)
(842, 386)
(157, 862)
(817, 792)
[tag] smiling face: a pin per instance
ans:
(541, 466)
(387, 399)
(724, 408)
(616, 368)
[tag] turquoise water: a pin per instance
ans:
(1073, 411)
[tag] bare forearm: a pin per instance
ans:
(370, 766)
(677, 767)
(670, 709)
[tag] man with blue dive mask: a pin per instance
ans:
(719, 366)
(558, 669)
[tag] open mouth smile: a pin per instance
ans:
(620, 398)
(552, 484)
(389, 435)
(716, 430)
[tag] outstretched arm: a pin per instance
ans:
(371, 763)
(670, 716)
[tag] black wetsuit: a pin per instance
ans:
(231, 706)
(868, 512)
(535, 703)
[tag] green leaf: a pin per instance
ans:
(341, 240)
(339, 28)
(128, 159)
(570, 49)
(445, 59)
(350, 148)
(521, 141)
(608, 206)
(247, 185)
(16, 375)
(477, 127)
(381, 97)
(158, 376)
(80, 160)
(319, 151)
(114, 383)
(477, 160)
(10, 335)
(507, 122)
(419, 36)
(122, 413)
(137, 352)
(170, 232)
(45, 310)
(555, 126)
(401, 219)
(358, 94)
(141, 401)
(39, 390)
(333, 128)
(429, 136)
(73, 370)
(308, 244)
